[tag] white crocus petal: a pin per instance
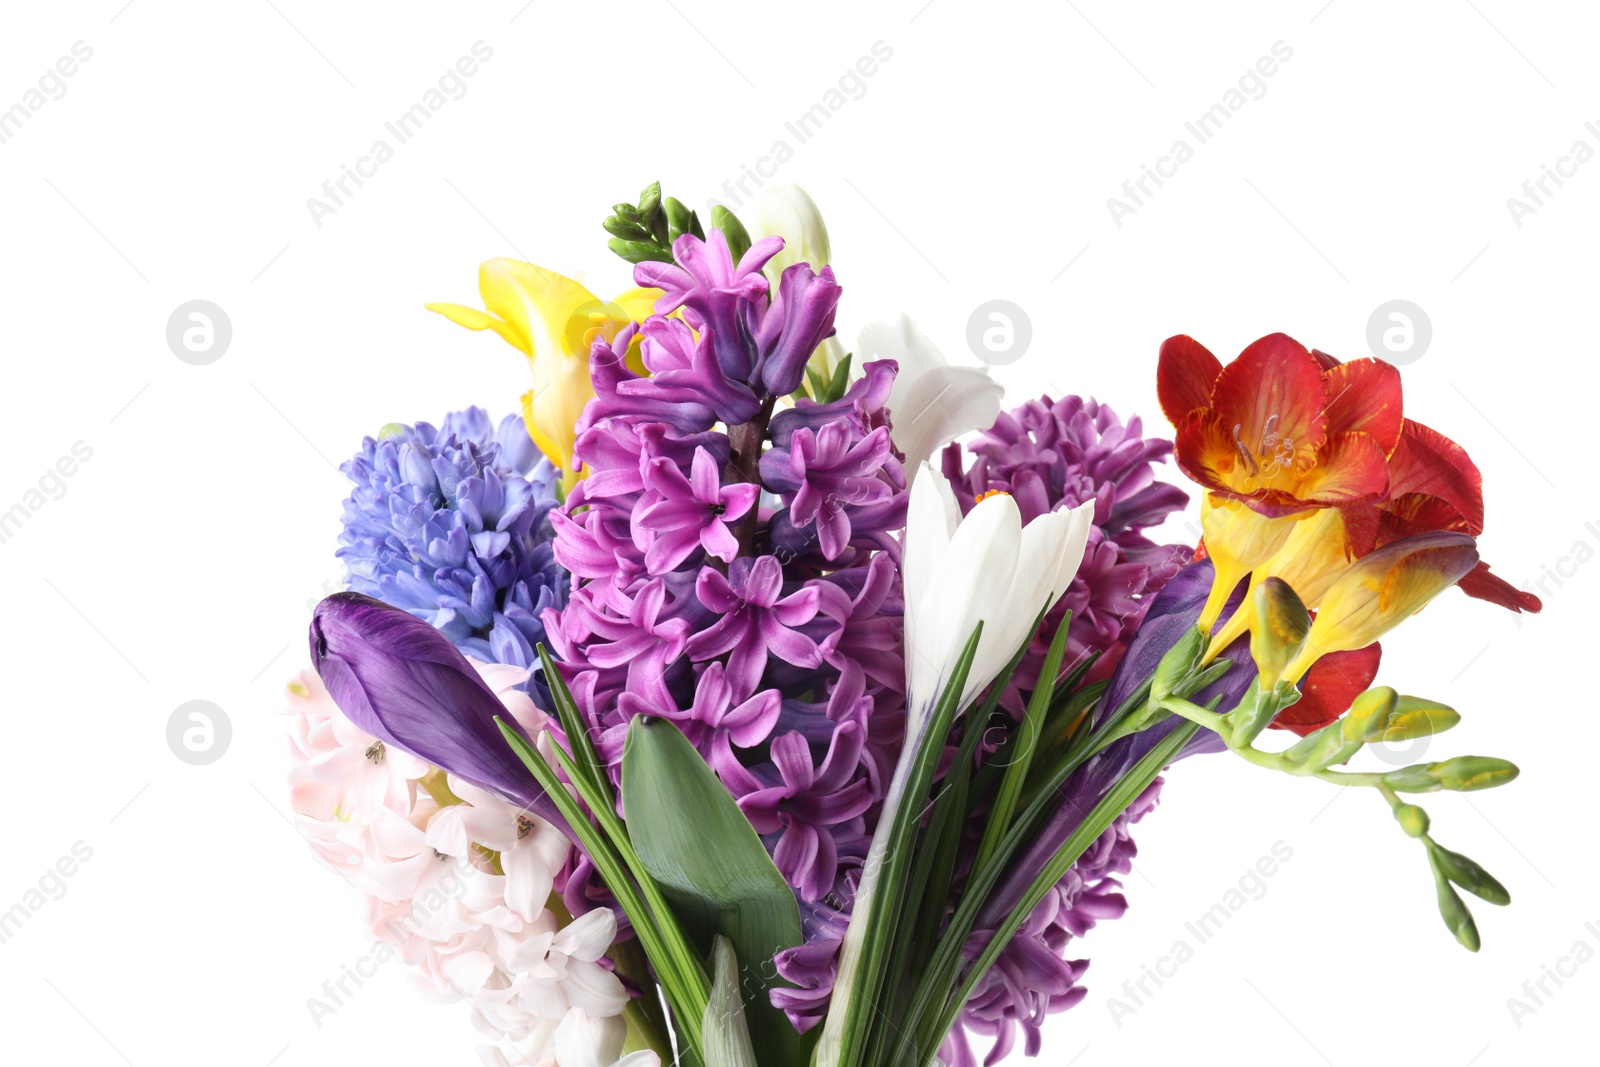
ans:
(787, 211)
(958, 571)
(932, 402)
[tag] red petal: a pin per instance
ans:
(1482, 585)
(1325, 361)
(1427, 461)
(1204, 449)
(1416, 513)
(1364, 396)
(1184, 376)
(1274, 387)
(1352, 471)
(1332, 683)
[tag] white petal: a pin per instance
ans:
(588, 936)
(932, 403)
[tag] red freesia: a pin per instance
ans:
(1285, 430)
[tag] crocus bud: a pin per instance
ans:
(396, 677)
(1381, 590)
(1279, 624)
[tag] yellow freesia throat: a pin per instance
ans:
(554, 321)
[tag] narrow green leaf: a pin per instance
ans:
(723, 1031)
(860, 999)
(1025, 741)
(1104, 814)
(713, 870)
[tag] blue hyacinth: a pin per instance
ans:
(451, 524)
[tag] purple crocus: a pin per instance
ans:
(403, 682)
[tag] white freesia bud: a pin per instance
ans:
(786, 211)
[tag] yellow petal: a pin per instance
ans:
(544, 309)
(473, 319)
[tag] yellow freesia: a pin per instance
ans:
(554, 321)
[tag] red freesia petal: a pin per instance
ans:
(1414, 513)
(1184, 376)
(1426, 461)
(1328, 688)
(1273, 388)
(1325, 361)
(1482, 585)
(1204, 449)
(1365, 396)
(1353, 470)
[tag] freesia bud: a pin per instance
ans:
(1279, 624)
(787, 211)
(1468, 875)
(1369, 715)
(1465, 774)
(1414, 717)
(1381, 590)
(396, 677)
(1412, 819)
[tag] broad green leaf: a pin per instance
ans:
(713, 870)
(723, 1032)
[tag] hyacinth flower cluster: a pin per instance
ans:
(451, 523)
(734, 567)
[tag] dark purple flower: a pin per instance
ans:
(403, 682)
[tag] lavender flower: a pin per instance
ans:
(451, 525)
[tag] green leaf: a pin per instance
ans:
(1024, 743)
(712, 869)
(723, 1031)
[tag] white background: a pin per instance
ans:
(182, 558)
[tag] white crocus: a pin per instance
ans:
(958, 571)
(932, 402)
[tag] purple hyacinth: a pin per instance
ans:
(450, 523)
(735, 570)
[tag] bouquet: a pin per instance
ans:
(743, 700)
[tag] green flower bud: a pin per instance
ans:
(638, 251)
(650, 199)
(1468, 875)
(738, 237)
(1412, 819)
(1369, 714)
(1465, 774)
(617, 226)
(1414, 717)
(1455, 914)
(1279, 624)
